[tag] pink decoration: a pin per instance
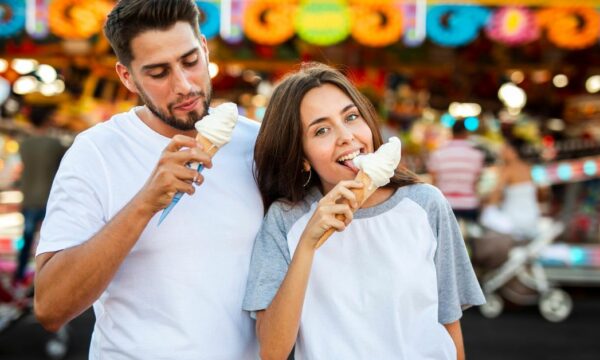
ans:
(513, 25)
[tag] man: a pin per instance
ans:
(168, 292)
(455, 169)
(40, 154)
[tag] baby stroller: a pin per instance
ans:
(517, 275)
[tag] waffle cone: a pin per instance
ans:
(209, 147)
(362, 195)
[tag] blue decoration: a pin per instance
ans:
(448, 120)
(578, 256)
(16, 22)
(472, 123)
(539, 174)
(212, 19)
(462, 27)
(564, 172)
(590, 168)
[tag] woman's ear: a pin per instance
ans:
(306, 165)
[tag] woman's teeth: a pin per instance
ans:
(349, 156)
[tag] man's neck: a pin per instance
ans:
(156, 124)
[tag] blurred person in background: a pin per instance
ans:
(512, 207)
(172, 291)
(455, 169)
(40, 154)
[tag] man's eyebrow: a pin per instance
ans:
(160, 65)
(316, 121)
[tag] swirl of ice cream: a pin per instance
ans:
(217, 126)
(380, 165)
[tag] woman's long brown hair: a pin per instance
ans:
(279, 154)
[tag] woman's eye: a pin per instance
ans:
(321, 131)
(352, 117)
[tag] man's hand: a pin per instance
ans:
(171, 174)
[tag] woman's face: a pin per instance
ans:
(333, 132)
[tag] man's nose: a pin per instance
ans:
(181, 82)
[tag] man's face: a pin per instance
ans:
(169, 72)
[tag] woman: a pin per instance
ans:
(512, 208)
(390, 285)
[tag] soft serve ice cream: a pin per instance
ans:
(380, 165)
(217, 126)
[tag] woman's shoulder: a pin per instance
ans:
(425, 195)
(421, 190)
(286, 211)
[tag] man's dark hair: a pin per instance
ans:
(129, 18)
(40, 115)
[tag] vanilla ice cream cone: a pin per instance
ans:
(376, 169)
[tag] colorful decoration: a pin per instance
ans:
(571, 27)
(233, 23)
(269, 22)
(210, 16)
(566, 171)
(37, 19)
(376, 23)
(462, 25)
(415, 18)
(78, 19)
(513, 25)
(323, 23)
(12, 17)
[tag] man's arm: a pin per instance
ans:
(68, 281)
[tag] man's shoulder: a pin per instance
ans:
(103, 131)
(248, 126)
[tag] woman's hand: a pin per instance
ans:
(335, 210)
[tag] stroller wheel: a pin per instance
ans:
(493, 306)
(555, 305)
(58, 345)
(56, 349)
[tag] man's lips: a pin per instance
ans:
(188, 105)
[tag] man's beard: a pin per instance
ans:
(184, 124)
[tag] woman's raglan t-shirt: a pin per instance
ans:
(380, 289)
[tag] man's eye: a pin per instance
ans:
(190, 63)
(159, 75)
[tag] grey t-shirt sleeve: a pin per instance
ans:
(270, 260)
(458, 287)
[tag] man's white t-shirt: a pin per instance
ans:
(178, 294)
(382, 288)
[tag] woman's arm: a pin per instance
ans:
(456, 335)
(277, 326)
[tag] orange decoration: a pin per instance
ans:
(77, 19)
(376, 23)
(269, 22)
(564, 29)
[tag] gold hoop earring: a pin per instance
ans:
(309, 176)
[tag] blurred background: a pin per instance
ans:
(521, 77)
